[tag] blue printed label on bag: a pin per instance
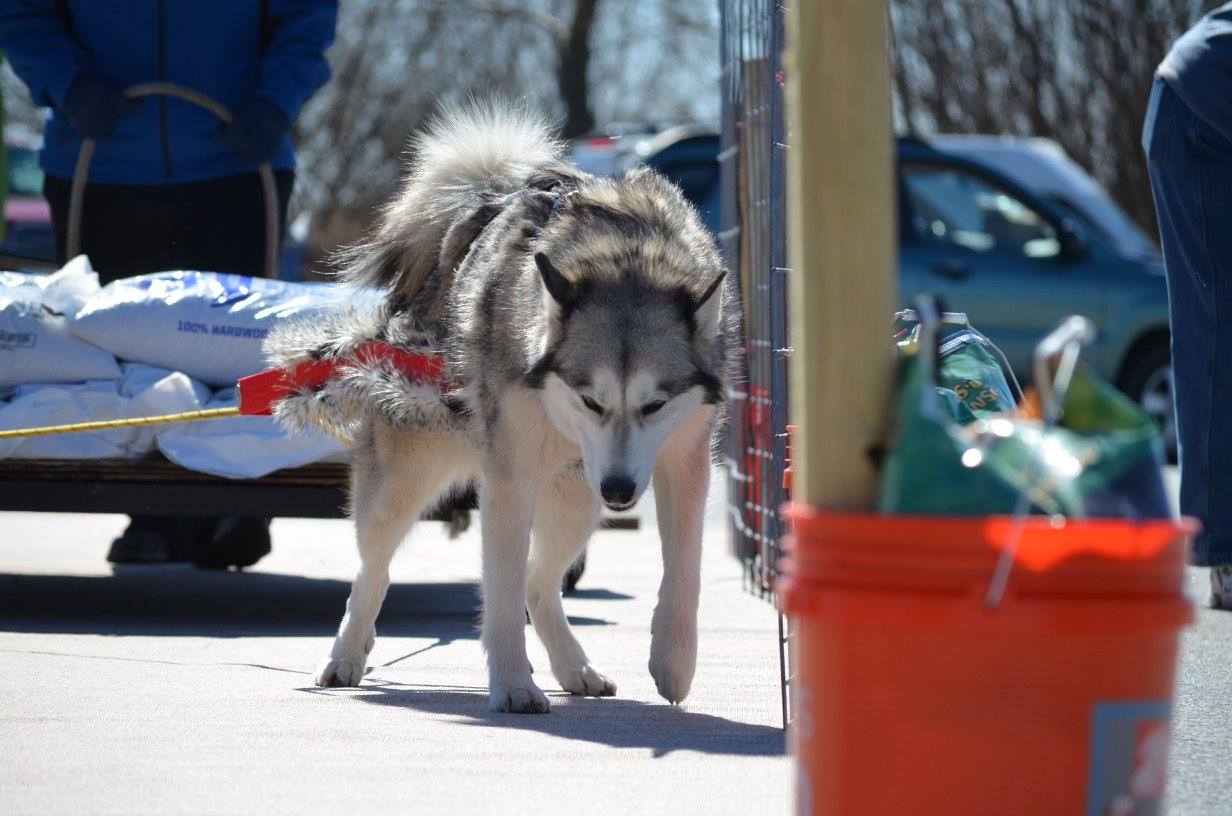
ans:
(1129, 758)
(15, 340)
(221, 330)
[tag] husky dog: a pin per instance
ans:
(585, 330)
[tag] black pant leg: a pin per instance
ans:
(220, 224)
(125, 230)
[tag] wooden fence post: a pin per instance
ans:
(842, 245)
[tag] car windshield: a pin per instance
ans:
(1135, 247)
(25, 175)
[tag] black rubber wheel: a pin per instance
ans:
(574, 574)
(1148, 381)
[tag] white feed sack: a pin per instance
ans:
(140, 391)
(208, 325)
(35, 341)
(245, 447)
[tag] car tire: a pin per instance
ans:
(1148, 381)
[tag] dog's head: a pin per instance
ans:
(628, 361)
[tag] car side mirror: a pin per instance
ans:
(1072, 238)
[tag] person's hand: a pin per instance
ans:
(257, 132)
(94, 107)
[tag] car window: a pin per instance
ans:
(954, 207)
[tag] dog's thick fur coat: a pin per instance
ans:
(586, 334)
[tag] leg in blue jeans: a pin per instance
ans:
(1191, 178)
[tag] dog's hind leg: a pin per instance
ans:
(566, 514)
(395, 478)
(681, 483)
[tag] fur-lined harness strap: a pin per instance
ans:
(260, 392)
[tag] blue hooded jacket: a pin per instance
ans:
(230, 50)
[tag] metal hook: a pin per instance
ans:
(1064, 342)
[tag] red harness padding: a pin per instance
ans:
(259, 392)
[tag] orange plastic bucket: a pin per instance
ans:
(914, 697)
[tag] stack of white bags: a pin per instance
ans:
(71, 351)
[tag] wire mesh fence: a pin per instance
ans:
(754, 240)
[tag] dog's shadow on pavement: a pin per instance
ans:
(613, 721)
(180, 600)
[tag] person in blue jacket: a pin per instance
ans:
(1188, 141)
(171, 186)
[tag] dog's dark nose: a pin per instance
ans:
(617, 490)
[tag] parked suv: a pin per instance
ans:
(1008, 230)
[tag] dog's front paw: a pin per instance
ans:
(341, 671)
(586, 682)
(347, 659)
(672, 677)
(673, 661)
(523, 699)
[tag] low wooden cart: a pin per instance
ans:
(155, 486)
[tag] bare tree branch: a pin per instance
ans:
(1076, 71)
(547, 22)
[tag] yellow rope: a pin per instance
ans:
(110, 424)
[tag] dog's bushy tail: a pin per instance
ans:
(466, 149)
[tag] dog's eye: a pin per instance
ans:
(592, 405)
(653, 407)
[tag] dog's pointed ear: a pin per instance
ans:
(707, 310)
(558, 286)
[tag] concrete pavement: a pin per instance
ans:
(170, 690)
